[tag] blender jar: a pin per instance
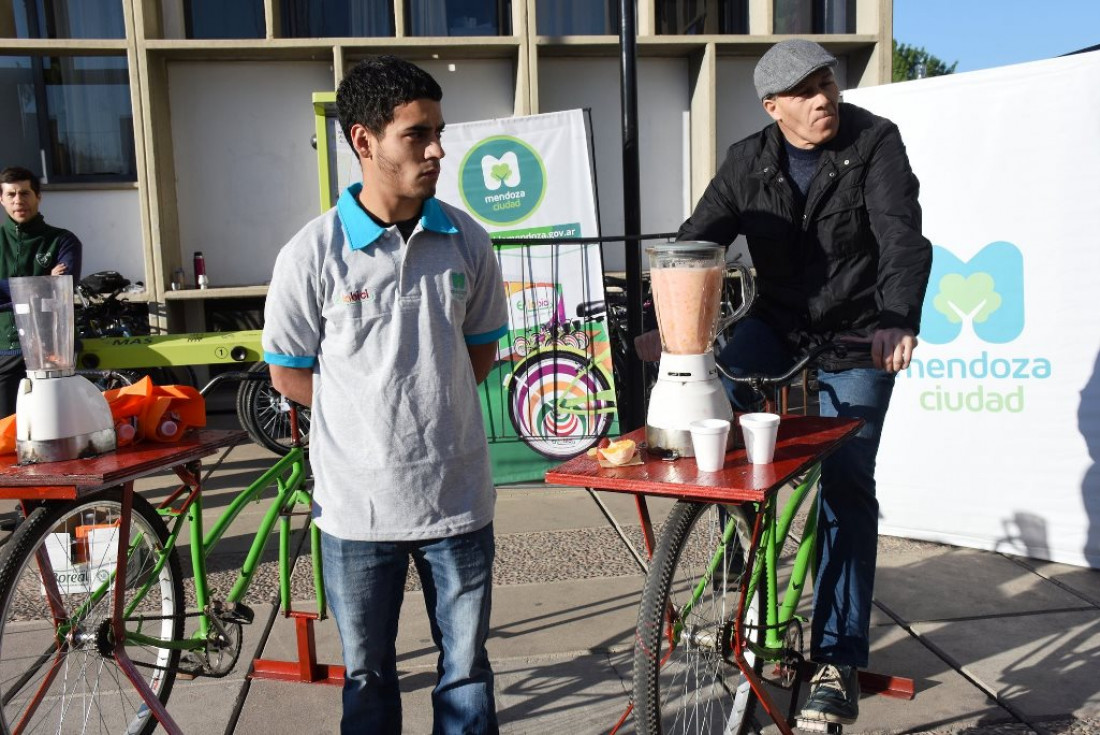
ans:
(43, 307)
(686, 279)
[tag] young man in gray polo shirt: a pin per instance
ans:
(383, 315)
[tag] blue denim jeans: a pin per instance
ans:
(847, 539)
(365, 583)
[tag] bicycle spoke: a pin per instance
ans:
(61, 676)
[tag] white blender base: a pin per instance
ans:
(688, 389)
(60, 418)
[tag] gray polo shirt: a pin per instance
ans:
(397, 443)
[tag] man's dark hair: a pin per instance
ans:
(374, 87)
(15, 174)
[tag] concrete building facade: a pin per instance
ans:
(166, 127)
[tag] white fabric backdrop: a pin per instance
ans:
(993, 436)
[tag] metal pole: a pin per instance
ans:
(631, 407)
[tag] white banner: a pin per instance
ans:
(532, 178)
(993, 434)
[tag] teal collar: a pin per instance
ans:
(363, 231)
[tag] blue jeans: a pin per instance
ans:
(365, 583)
(847, 537)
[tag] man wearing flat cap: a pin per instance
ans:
(828, 204)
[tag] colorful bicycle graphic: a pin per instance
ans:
(560, 393)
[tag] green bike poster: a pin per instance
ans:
(551, 394)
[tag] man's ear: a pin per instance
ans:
(361, 140)
(772, 109)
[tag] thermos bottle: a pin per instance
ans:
(200, 270)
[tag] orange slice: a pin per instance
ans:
(618, 452)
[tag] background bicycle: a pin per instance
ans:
(114, 334)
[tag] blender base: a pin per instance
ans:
(687, 389)
(31, 451)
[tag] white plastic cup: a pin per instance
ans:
(759, 430)
(708, 439)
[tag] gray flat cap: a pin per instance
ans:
(787, 63)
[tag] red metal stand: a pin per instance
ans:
(305, 669)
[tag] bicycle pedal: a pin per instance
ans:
(240, 613)
(190, 667)
(832, 728)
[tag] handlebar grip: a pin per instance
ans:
(591, 308)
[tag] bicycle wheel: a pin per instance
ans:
(265, 414)
(558, 405)
(685, 677)
(57, 673)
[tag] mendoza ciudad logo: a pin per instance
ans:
(976, 308)
(502, 180)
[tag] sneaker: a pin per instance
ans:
(834, 695)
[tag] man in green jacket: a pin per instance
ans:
(28, 247)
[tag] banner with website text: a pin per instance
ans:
(551, 394)
(993, 434)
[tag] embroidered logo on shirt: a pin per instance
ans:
(458, 283)
(44, 259)
(355, 297)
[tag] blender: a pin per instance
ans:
(686, 279)
(59, 415)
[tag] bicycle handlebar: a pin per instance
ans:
(760, 381)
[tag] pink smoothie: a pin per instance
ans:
(687, 301)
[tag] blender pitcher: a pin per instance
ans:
(686, 279)
(59, 415)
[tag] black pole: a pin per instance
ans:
(632, 405)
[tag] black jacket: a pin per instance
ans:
(31, 249)
(852, 260)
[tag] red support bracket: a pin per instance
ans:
(886, 685)
(305, 669)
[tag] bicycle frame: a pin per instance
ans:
(288, 476)
(772, 531)
(778, 614)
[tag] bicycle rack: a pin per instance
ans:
(305, 669)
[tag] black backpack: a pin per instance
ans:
(105, 282)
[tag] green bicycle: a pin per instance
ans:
(691, 644)
(59, 575)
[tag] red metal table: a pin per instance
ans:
(803, 441)
(72, 479)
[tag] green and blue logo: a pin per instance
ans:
(986, 292)
(985, 296)
(502, 180)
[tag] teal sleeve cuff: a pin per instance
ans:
(273, 358)
(487, 337)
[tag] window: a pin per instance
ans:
(815, 16)
(337, 18)
(71, 120)
(459, 17)
(222, 19)
(578, 17)
(690, 17)
(62, 19)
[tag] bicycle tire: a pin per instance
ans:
(694, 685)
(263, 413)
(536, 386)
(88, 691)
